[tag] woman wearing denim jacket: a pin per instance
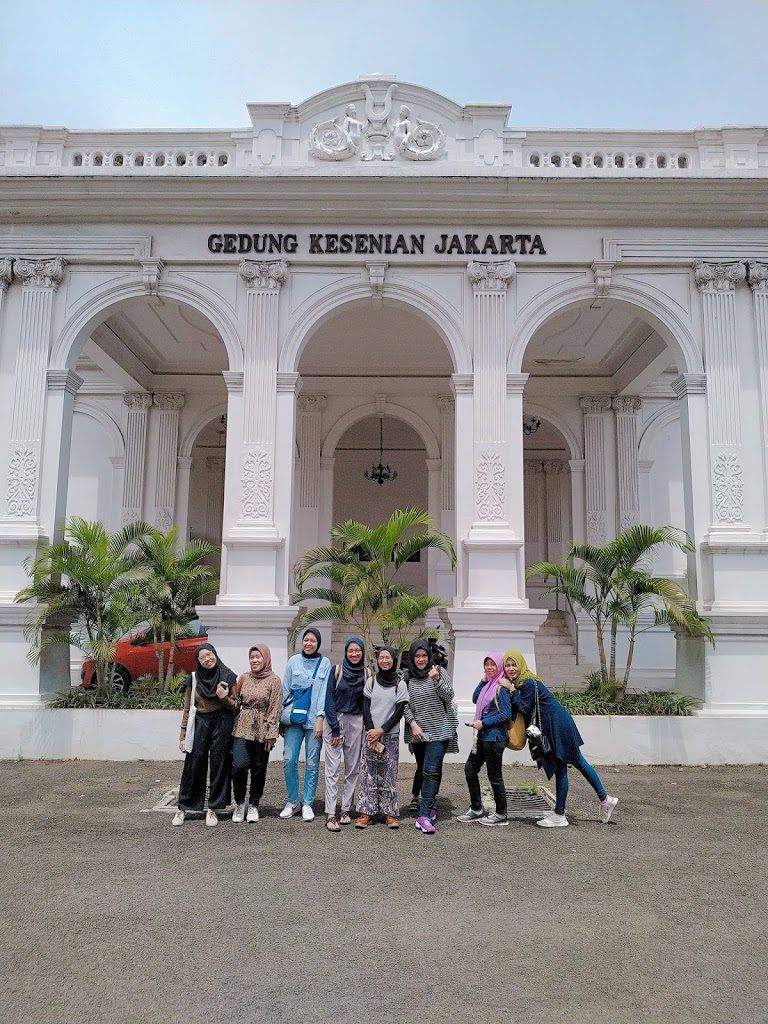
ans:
(308, 668)
(493, 713)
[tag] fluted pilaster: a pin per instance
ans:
(626, 408)
(309, 438)
(169, 405)
(447, 406)
(758, 282)
(594, 409)
(138, 404)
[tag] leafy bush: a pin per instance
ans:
(658, 702)
(96, 700)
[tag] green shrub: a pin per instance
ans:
(658, 702)
(96, 700)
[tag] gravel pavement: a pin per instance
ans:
(110, 916)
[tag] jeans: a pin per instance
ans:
(432, 771)
(248, 756)
(419, 751)
(489, 754)
(295, 735)
(561, 781)
(212, 743)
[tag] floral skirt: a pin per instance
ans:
(377, 793)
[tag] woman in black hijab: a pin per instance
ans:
(206, 736)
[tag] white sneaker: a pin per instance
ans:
(253, 813)
(289, 810)
(211, 818)
(307, 813)
(471, 815)
(178, 818)
(553, 820)
(239, 813)
(607, 807)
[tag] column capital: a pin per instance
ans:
(288, 382)
(151, 269)
(6, 273)
(169, 401)
(64, 380)
(690, 384)
(446, 403)
(577, 465)
(263, 276)
(463, 383)
(233, 380)
(758, 276)
(516, 383)
(39, 273)
(491, 277)
(628, 404)
(533, 465)
(594, 404)
(312, 403)
(137, 400)
(553, 466)
(718, 277)
(184, 461)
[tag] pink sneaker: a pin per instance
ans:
(426, 826)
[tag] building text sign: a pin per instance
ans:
(367, 243)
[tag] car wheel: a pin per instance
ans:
(123, 680)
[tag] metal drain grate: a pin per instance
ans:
(525, 802)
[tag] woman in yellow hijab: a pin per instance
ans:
(560, 742)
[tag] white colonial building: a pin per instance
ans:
(554, 333)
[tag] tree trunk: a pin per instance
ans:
(630, 656)
(614, 631)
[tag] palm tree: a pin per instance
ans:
(166, 599)
(613, 589)
(85, 579)
(361, 571)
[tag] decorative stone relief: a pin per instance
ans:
(137, 400)
(490, 485)
(40, 273)
(491, 276)
(758, 276)
(594, 404)
(256, 484)
(151, 269)
(596, 529)
(627, 404)
(6, 273)
(376, 275)
(628, 518)
(129, 514)
(718, 277)
(23, 465)
(337, 138)
(417, 140)
(602, 270)
(728, 488)
(169, 401)
(164, 519)
(268, 276)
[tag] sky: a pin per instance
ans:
(661, 64)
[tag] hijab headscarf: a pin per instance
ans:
(316, 634)
(522, 664)
(266, 654)
(413, 671)
(391, 676)
(209, 678)
(353, 675)
(488, 692)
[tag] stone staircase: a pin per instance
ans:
(556, 655)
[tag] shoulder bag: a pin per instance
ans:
(515, 729)
(189, 735)
(300, 701)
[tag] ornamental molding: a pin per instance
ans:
(6, 273)
(627, 404)
(463, 383)
(491, 277)
(718, 277)
(234, 381)
(728, 488)
(23, 468)
(256, 483)
(137, 401)
(593, 405)
(758, 276)
(490, 485)
(64, 380)
(690, 384)
(375, 135)
(46, 273)
(288, 383)
(264, 276)
(312, 404)
(169, 401)
(553, 466)
(151, 269)
(516, 383)
(376, 275)
(602, 270)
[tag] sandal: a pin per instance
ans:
(393, 823)
(363, 821)
(332, 824)
(345, 819)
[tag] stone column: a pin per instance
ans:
(626, 408)
(40, 279)
(445, 577)
(553, 470)
(183, 471)
(169, 405)
(325, 517)
(578, 496)
(758, 282)
(138, 404)
(214, 504)
(309, 441)
(599, 529)
(717, 283)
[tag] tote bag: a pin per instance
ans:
(189, 737)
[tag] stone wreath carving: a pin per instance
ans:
(256, 484)
(728, 488)
(490, 486)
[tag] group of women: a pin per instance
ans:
(230, 724)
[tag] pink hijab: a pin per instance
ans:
(488, 692)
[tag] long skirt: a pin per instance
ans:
(377, 793)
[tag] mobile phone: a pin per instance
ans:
(379, 748)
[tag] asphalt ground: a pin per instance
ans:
(110, 915)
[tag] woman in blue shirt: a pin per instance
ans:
(303, 717)
(493, 712)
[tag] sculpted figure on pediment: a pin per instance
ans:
(337, 139)
(417, 140)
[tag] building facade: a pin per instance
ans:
(552, 335)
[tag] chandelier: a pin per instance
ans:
(531, 425)
(381, 473)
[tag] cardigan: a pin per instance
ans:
(497, 715)
(556, 722)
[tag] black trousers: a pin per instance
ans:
(248, 756)
(489, 754)
(419, 752)
(213, 743)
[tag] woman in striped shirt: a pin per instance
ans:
(428, 725)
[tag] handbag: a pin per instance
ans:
(539, 744)
(189, 736)
(516, 736)
(300, 701)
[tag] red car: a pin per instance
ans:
(135, 656)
